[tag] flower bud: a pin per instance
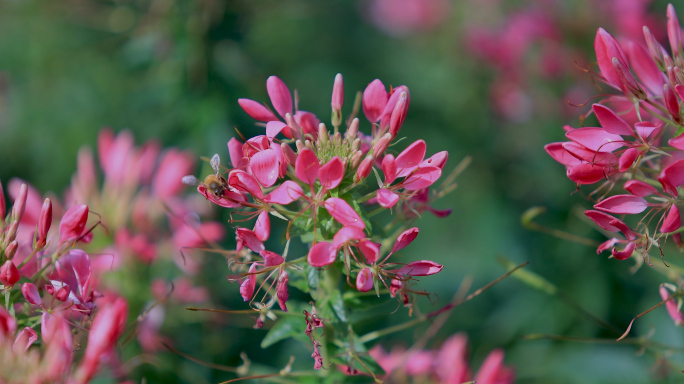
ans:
(11, 232)
(9, 274)
(654, 48)
(73, 222)
(399, 114)
(297, 132)
(30, 293)
(356, 159)
(20, 203)
(7, 324)
(11, 250)
(323, 135)
(381, 145)
(364, 280)
(607, 48)
(672, 104)
(627, 82)
(299, 145)
(673, 31)
(289, 154)
(364, 168)
(62, 294)
(353, 129)
(44, 223)
(24, 340)
(337, 100)
(282, 291)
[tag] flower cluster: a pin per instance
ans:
(317, 181)
(630, 149)
(447, 365)
(37, 259)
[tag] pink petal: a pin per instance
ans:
(386, 198)
(596, 139)
(673, 30)
(308, 122)
(672, 177)
(393, 101)
(646, 69)
(586, 155)
(607, 48)
(364, 280)
(671, 306)
(31, 294)
(286, 193)
(405, 239)
(625, 253)
(228, 200)
(256, 110)
(247, 286)
(672, 221)
(452, 360)
(347, 234)
(271, 259)
(622, 204)
(274, 127)
(322, 254)
(422, 178)
(250, 239)
(262, 227)
(492, 370)
(438, 160)
(280, 95)
(419, 268)
(74, 268)
(640, 188)
(677, 142)
(24, 339)
(586, 173)
(611, 122)
(607, 244)
(370, 250)
(399, 114)
(410, 158)
(331, 174)
(245, 183)
(647, 129)
(281, 290)
(7, 324)
(73, 223)
(374, 100)
(624, 228)
(389, 168)
(265, 167)
(344, 213)
(307, 167)
(627, 159)
(560, 154)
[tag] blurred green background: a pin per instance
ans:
(173, 70)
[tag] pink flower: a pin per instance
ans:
(9, 274)
(73, 223)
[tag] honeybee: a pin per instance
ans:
(214, 183)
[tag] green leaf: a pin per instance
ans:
(337, 304)
(284, 328)
(312, 280)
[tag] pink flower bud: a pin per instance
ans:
(627, 82)
(12, 231)
(282, 291)
(338, 93)
(381, 145)
(62, 294)
(7, 324)
(11, 250)
(247, 287)
(24, 340)
(296, 130)
(289, 154)
(374, 100)
(672, 103)
(364, 280)
(419, 268)
(399, 114)
(20, 203)
(607, 48)
(73, 222)
(654, 48)
(364, 168)
(671, 305)
(9, 274)
(31, 294)
(44, 223)
(353, 129)
(673, 31)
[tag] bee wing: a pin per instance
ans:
(215, 163)
(190, 180)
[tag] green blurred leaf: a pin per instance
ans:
(284, 328)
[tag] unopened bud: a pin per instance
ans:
(282, 291)
(356, 144)
(672, 104)
(20, 203)
(30, 293)
(44, 223)
(299, 145)
(62, 294)
(294, 127)
(73, 223)
(9, 274)
(381, 145)
(356, 159)
(654, 48)
(337, 138)
(679, 75)
(338, 93)
(667, 61)
(399, 114)
(11, 250)
(364, 168)
(308, 144)
(289, 154)
(11, 232)
(323, 135)
(673, 31)
(353, 129)
(627, 82)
